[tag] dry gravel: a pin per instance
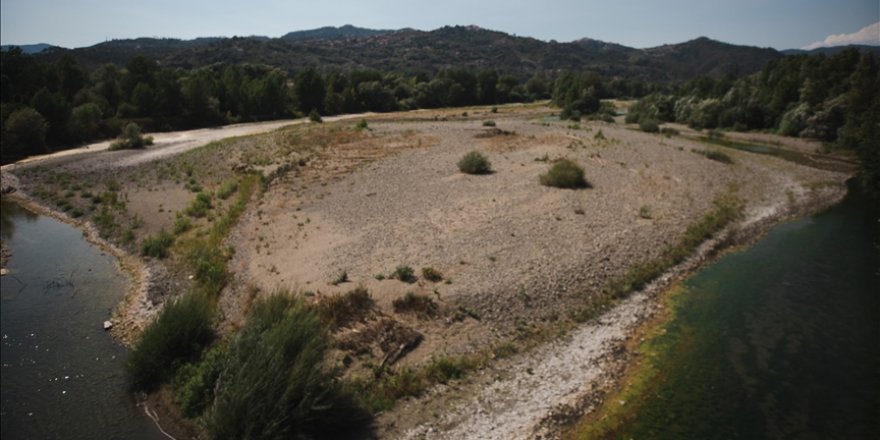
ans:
(515, 253)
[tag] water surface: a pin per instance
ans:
(779, 341)
(62, 374)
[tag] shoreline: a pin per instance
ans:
(598, 354)
(125, 326)
(735, 237)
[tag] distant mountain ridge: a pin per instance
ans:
(411, 51)
(27, 48)
(331, 32)
(832, 50)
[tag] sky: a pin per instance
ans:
(781, 24)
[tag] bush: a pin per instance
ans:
(404, 273)
(716, 134)
(194, 383)
(430, 274)
(131, 138)
(669, 132)
(362, 125)
(341, 278)
(200, 206)
(181, 225)
(474, 163)
(314, 116)
(565, 174)
(157, 245)
(177, 336)
(715, 155)
(649, 126)
(341, 310)
(276, 383)
(227, 189)
(421, 305)
(489, 123)
(209, 265)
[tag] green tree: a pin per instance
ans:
(202, 104)
(144, 98)
(488, 81)
(85, 121)
(310, 90)
(25, 133)
(55, 108)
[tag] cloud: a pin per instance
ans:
(869, 35)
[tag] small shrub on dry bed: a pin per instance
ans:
(565, 174)
(474, 163)
(341, 310)
(421, 305)
(431, 274)
(404, 273)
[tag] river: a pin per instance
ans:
(781, 340)
(62, 374)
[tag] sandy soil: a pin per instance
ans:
(517, 257)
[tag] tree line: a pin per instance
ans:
(60, 104)
(835, 99)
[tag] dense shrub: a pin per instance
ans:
(227, 189)
(277, 384)
(181, 225)
(200, 206)
(444, 369)
(669, 132)
(421, 305)
(404, 273)
(209, 265)
(474, 163)
(649, 126)
(131, 138)
(177, 336)
(431, 274)
(314, 116)
(157, 245)
(341, 310)
(194, 383)
(564, 174)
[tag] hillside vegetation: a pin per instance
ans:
(834, 99)
(412, 51)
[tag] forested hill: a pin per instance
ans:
(412, 51)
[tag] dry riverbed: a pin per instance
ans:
(517, 260)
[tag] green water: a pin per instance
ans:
(62, 374)
(778, 341)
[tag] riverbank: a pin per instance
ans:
(132, 314)
(749, 355)
(518, 262)
(542, 393)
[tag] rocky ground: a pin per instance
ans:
(516, 258)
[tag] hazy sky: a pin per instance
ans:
(781, 24)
